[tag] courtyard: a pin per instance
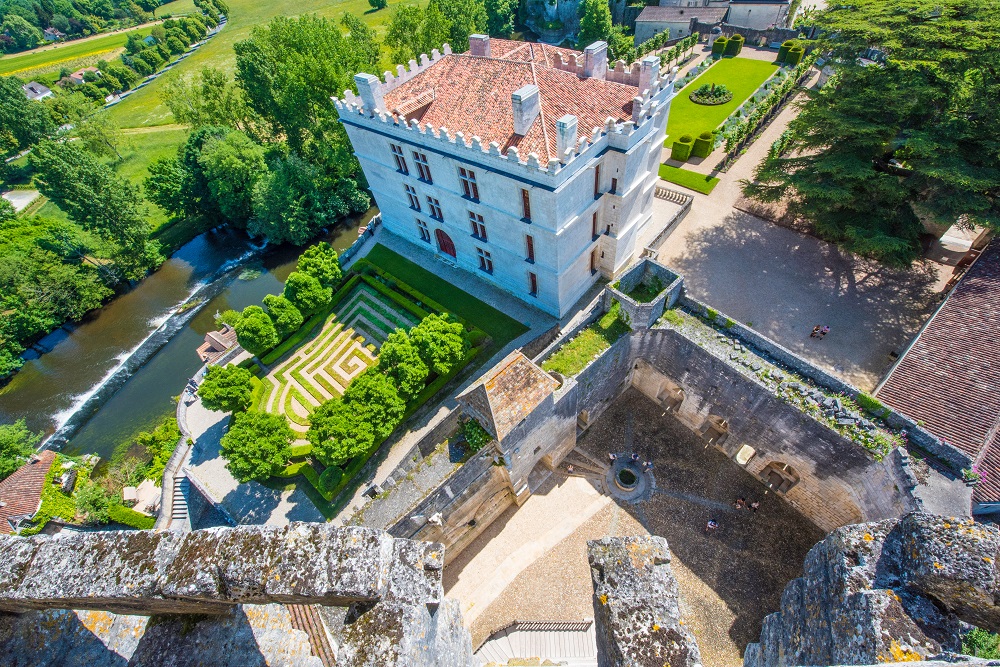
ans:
(531, 564)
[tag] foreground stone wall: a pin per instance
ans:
(892, 591)
(388, 591)
(636, 605)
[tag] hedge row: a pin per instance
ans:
(129, 517)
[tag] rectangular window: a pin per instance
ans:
(485, 260)
(597, 181)
(435, 208)
(478, 227)
(532, 284)
(525, 205)
(469, 187)
(397, 152)
(425, 234)
(411, 196)
(423, 169)
(593, 261)
(594, 226)
(530, 248)
(614, 186)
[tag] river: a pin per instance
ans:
(97, 384)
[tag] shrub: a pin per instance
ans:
(711, 314)
(794, 56)
(681, 149)
(871, 405)
(475, 435)
(703, 145)
(734, 45)
(330, 479)
(783, 51)
(129, 517)
(719, 47)
(981, 644)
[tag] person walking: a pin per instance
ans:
(754, 506)
(815, 332)
(824, 331)
(711, 525)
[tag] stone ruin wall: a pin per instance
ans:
(196, 593)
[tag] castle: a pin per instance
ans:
(530, 166)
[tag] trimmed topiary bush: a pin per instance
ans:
(681, 149)
(330, 478)
(783, 51)
(734, 45)
(703, 145)
(794, 56)
(719, 47)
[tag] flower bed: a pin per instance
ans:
(710, 94)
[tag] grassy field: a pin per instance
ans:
(145, 108)
(689, 179)
(67, 54)
(742, 75)
(501, 328)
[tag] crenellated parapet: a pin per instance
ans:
(366, 109)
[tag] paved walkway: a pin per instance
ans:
(249, 503)
(783, 283)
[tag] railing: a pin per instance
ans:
(672, 195)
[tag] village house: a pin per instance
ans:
(53, 35)
(217, 343)
(79, 76)
(949, 377)
(21, 492)
(675, 19)
(528, 165)
(36, 91)
(758, 14)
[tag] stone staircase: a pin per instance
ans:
(584, 465)
(178, 505)
(569, 643)
(306, 619)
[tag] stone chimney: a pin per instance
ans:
(479, 45)
(527, 104)
(649, 72)
(595, 64)
(370, 91)
(565, 136)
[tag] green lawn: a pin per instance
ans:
(689, 179)
(742, 75)
(66, 54)
(574, 356)
(501, 328)
(144, 108)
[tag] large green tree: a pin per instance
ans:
(101, 201)
(255, 331)
(904, 131)
(400, 361)
(320, 261)
(231, 165)
(286, 317)
(16, 445)
(256, 445)
(464, 18)
(595, 22)
(23, 122)
(210, 97)
(306, 293)
(501, 16)
(440, 341)
(226, 388)
(338, 433)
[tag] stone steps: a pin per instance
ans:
(562, 642)
(178, 505)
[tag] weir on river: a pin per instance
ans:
(117, 372)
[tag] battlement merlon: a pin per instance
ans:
(648, 107)
(210, 571)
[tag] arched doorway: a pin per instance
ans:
(445, 243)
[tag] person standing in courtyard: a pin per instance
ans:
(711, 525)
(815, 331)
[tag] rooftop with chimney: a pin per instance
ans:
(472, 93)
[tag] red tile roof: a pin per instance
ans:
(21, 493)
(949, 378)
(472, 95)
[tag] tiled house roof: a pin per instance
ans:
(949, 378)
(508, 394)
(21, 493)
(472, 95)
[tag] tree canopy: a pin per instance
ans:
(226, 388)
(595, 22)
(320, 261)
(440, 341)
(306, 293)
(256, 445)
(904, 131)
(255, 331)
(286, 317)
(16, 445)
(399, 360)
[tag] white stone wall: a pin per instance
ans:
(758, 16)
(646, 30)
(562, 198)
